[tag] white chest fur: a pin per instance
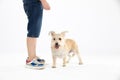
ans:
(59, 53)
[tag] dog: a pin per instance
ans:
(61, 48)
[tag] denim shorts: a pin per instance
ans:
(34, 12)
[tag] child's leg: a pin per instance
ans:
(31, 48)
(34, 11)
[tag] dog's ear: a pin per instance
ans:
(63, 33)
(52, 33)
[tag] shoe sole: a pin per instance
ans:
(37, 68)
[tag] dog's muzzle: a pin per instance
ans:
(57, 45)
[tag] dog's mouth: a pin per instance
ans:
(57, 46)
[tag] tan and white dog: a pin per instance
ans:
(62, 48)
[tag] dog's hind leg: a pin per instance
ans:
(70, 55)
(69, 58)
(79, 57)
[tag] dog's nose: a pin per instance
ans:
(56, 44)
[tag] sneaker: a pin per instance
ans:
(36, 63)
(41, 61)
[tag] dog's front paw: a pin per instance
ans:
(80, 63)
(53, 66)
(64, 65)
(67, 61)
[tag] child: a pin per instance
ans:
(34, 12)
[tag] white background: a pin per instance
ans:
(94, 24)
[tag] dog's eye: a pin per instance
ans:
(54, 39)
(60, 39)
